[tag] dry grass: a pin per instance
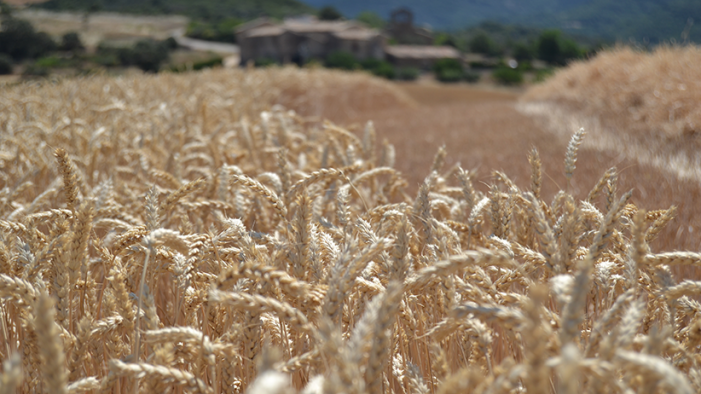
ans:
(176, 233)
(104, 25)
(652, 96)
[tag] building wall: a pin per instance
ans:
(419, 63)
(409, 35)
(299, 47)
(361, 49)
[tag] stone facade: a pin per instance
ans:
(402, 30)
(300, 40)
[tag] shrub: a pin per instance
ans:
(542, 75)
(385, 70)
(570, 50)
(5, 65)
(408, 73)
(525, 65)
(125, 56)
(448, 63)
(554, 49)
(35, 70)
(445, 39)
(19, 40)
(508, 76)
(480, 65)
(329, 13)
(380, 68)
(342, 60)
(170, 43)
(471, 76)
(481, 43)
(549, 46)
(522, 52)
(200, 65)
(264, 62)
(71, 42)
(106, 59)
(209, 63)
(449, 75)
(148, 55)
(48, 62)
(223, 31)
(371, 19)
(448, 70)
(43, 44)
(370, 63)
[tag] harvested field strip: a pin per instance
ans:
(653, 97)
(642, 108)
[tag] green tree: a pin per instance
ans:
(570, 50)
(342, 60)
(329, 13)
(445, 39)
(522, 52)
(5, 65)
(448, 70)
(555, 49)
(385, 70)
(371, 19)
(148, 55)
(482, 43)
(19, 40)
(508, 76)
(549, 48)
(5, 10)
(71, 42)
(92, 7)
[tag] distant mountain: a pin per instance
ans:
(443, 14)
(212, 10)
(641, 20)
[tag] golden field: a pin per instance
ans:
(183, 233)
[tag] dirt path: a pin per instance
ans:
(202, 45)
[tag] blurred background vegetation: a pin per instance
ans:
(508, 43)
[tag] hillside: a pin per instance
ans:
(647, 20)
(204, 9)
(643, 21)
(447, 13)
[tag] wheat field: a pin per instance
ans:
(180, 233)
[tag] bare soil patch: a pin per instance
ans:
(484, 131)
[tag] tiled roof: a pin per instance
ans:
(349, 30)
(265, 31)
(422, 52)
(364, 34)
(317, 26)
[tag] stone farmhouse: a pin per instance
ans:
(299, 40)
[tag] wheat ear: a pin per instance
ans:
(68, 172)
(50, 345)
(571, 154)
